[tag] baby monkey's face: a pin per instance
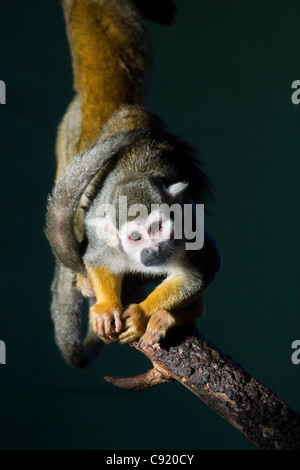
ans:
(149, 242)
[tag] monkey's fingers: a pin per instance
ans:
(98, 328)
(98, 325)
(115, 323)
(131, 334)
(149, 339)
(112, 323)
(157, 328)
(134, 324)
(106, 321)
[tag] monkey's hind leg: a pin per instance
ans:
(66, 315)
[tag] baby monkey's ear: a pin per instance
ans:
(105, 230)
(175, 189)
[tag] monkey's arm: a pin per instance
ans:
(162, 309)
(105, 314)
(174, 292)
(176, 301)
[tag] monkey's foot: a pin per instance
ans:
(158, 325)
(84, 286)
(106, 321)
(134, 324)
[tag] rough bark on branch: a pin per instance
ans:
(221, 383)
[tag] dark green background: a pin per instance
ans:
(222, 80)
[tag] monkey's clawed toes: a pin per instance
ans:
(157, 328)
(106, 321)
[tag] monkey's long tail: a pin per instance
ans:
(66, 315)
(109, 50)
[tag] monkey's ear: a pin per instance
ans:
(105, 230)
(176, 189)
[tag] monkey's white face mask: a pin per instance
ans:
(146, 239)
(148, 242)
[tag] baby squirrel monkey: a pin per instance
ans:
(112, 151)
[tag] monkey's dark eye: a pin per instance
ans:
(155, 227)
(135, 236)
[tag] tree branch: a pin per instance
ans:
(222, 384)
(141, 382)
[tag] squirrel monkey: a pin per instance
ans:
(119, 172)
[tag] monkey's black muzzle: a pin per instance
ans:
(151, 257)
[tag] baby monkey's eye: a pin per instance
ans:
(155, 227)
(135, 236)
